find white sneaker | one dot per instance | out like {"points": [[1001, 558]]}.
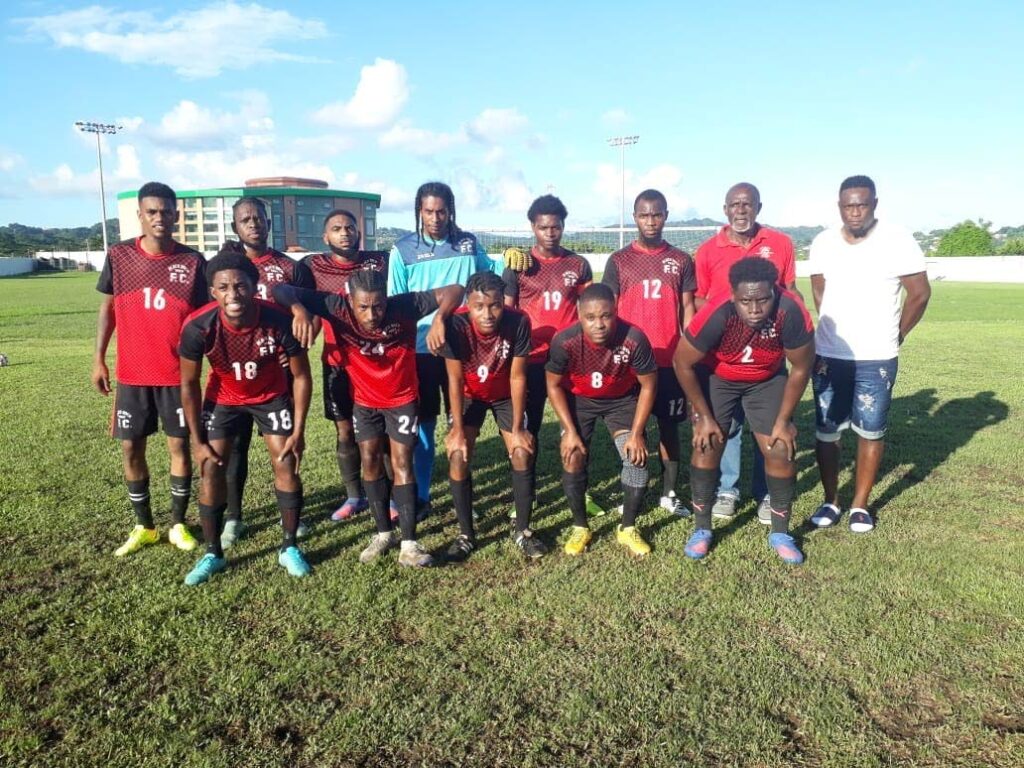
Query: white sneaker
{"points": [[725, 507], [233, 531], [764, 511], [414, 556], [674, 504], [379, 544]]}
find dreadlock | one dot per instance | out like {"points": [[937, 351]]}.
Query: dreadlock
{"points": [[443, 191]]}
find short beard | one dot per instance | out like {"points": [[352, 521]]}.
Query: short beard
{"points": [[344, 252]]}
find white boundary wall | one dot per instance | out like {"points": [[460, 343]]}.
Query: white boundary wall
{"points": [[16, 265], [968, 269]]}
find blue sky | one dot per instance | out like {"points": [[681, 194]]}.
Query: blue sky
{"points": [[507, 102]]}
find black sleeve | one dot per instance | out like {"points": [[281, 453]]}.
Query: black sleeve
{"points": [[611, 275], [105, 283], [318, 302], [452, 348], [192, 344], [302, 276], [522, 345], [558, 358], [689, 276], [797, 328], [422, 302], [200, 289], [642, 360], [586, 273], [511, 280], [709, 328]]}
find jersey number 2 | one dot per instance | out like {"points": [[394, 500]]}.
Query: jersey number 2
{"points": [[748, 354]]}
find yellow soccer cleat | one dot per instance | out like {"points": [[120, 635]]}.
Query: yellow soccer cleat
{"points": [[137, 539], [182, 538], [578, 541], [631, 539]]}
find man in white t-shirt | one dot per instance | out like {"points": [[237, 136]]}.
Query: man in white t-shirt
{"points": [[858, 275]]}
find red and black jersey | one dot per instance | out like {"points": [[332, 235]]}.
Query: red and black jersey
{"points": [[650, 285], [487, 360], [278, 269], [244, 364], [737, 352], [331, 275], [605, 371], [381, 364], [548, 293], [153, 294]]}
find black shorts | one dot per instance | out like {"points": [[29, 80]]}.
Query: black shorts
{"points": [[137, 408], [399, 423], [274, 417], [616, 412], [536, 396], [475, 413], [760, 400], [337, 394], [433, 380], [670, 402]]}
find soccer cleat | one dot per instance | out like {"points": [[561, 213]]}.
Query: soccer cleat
{"points": [[303, 530], [630, 538], [233, 531], [181, 537], [764, 511], [531, 546], [349, 509], [826, 515], [291, 560], [414, 556], [208, 565], [460, 549], [724, 507], [593, 508], [578, 541], [674, 504], [423, 510], [861, 520], [698, 545], [785, 547], [379, 544], [137, 539]]}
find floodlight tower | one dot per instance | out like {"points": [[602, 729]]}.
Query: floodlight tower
{"points": [[98, 128], [622, 142]]}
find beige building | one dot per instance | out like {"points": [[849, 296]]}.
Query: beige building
{"points": [[297, 208]]}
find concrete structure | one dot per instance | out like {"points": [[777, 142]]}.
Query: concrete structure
{"points": [[296, 206], [16, 265]]}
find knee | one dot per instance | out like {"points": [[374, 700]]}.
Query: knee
{"points": [[458, 467], [346, 437], [520, 460], [134, 451], [577, 462]]}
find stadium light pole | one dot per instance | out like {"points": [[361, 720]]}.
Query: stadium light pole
{"points": [[622, 142], [98, 128]]}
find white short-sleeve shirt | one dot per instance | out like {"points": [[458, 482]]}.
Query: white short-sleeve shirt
{"points": [[862, 302]]}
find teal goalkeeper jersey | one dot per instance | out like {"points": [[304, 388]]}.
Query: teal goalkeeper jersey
{"points": [[422, 264]]}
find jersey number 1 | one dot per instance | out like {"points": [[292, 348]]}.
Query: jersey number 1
{"points": [[151, 300]]}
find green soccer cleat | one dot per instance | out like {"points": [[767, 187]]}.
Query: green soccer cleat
{"points": [[139, 537], [593, 508], [181, 537]]}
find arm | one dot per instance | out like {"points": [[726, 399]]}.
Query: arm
{"points": [[455, 440], [817, 291], [556, 397], [448, 298], [919, 291], [791, 286], [636, 447], [302, 390], [105, 323], [687, 308], [191, 400], [303, 304], [800, 361], [521, 438], [705, 428]]}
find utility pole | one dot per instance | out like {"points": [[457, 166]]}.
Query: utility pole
{"points": [[98, 128], [622, 142]]}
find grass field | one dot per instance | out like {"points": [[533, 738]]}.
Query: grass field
{"points": [[902, 647]]}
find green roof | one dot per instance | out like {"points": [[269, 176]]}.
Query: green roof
{"points": [[263, 192]]}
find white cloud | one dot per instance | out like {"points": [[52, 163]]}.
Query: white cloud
{"points": [[229, 168], [666, 178], [493, 126], [418, 141], [379, 97], [616, 117], [64, 182], [9, 160], [196, 43]]}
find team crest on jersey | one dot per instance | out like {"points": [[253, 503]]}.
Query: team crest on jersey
{"points": [[570, 278], [622, 354], [266, 345], [768, 332], [504, 349], [179, 273], [670, 266], [765, 252], [391, 329], [273, 274], [466, 245]]}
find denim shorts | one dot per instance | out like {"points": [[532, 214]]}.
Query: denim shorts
{"points": [[852, 393]]}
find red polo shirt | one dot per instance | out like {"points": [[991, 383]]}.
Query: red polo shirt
{"points": [[717, 254]]}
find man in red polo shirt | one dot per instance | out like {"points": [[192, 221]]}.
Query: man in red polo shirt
{"points": [[742, 236]]}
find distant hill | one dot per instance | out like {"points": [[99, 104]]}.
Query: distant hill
{"points": [[22, 240]]}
